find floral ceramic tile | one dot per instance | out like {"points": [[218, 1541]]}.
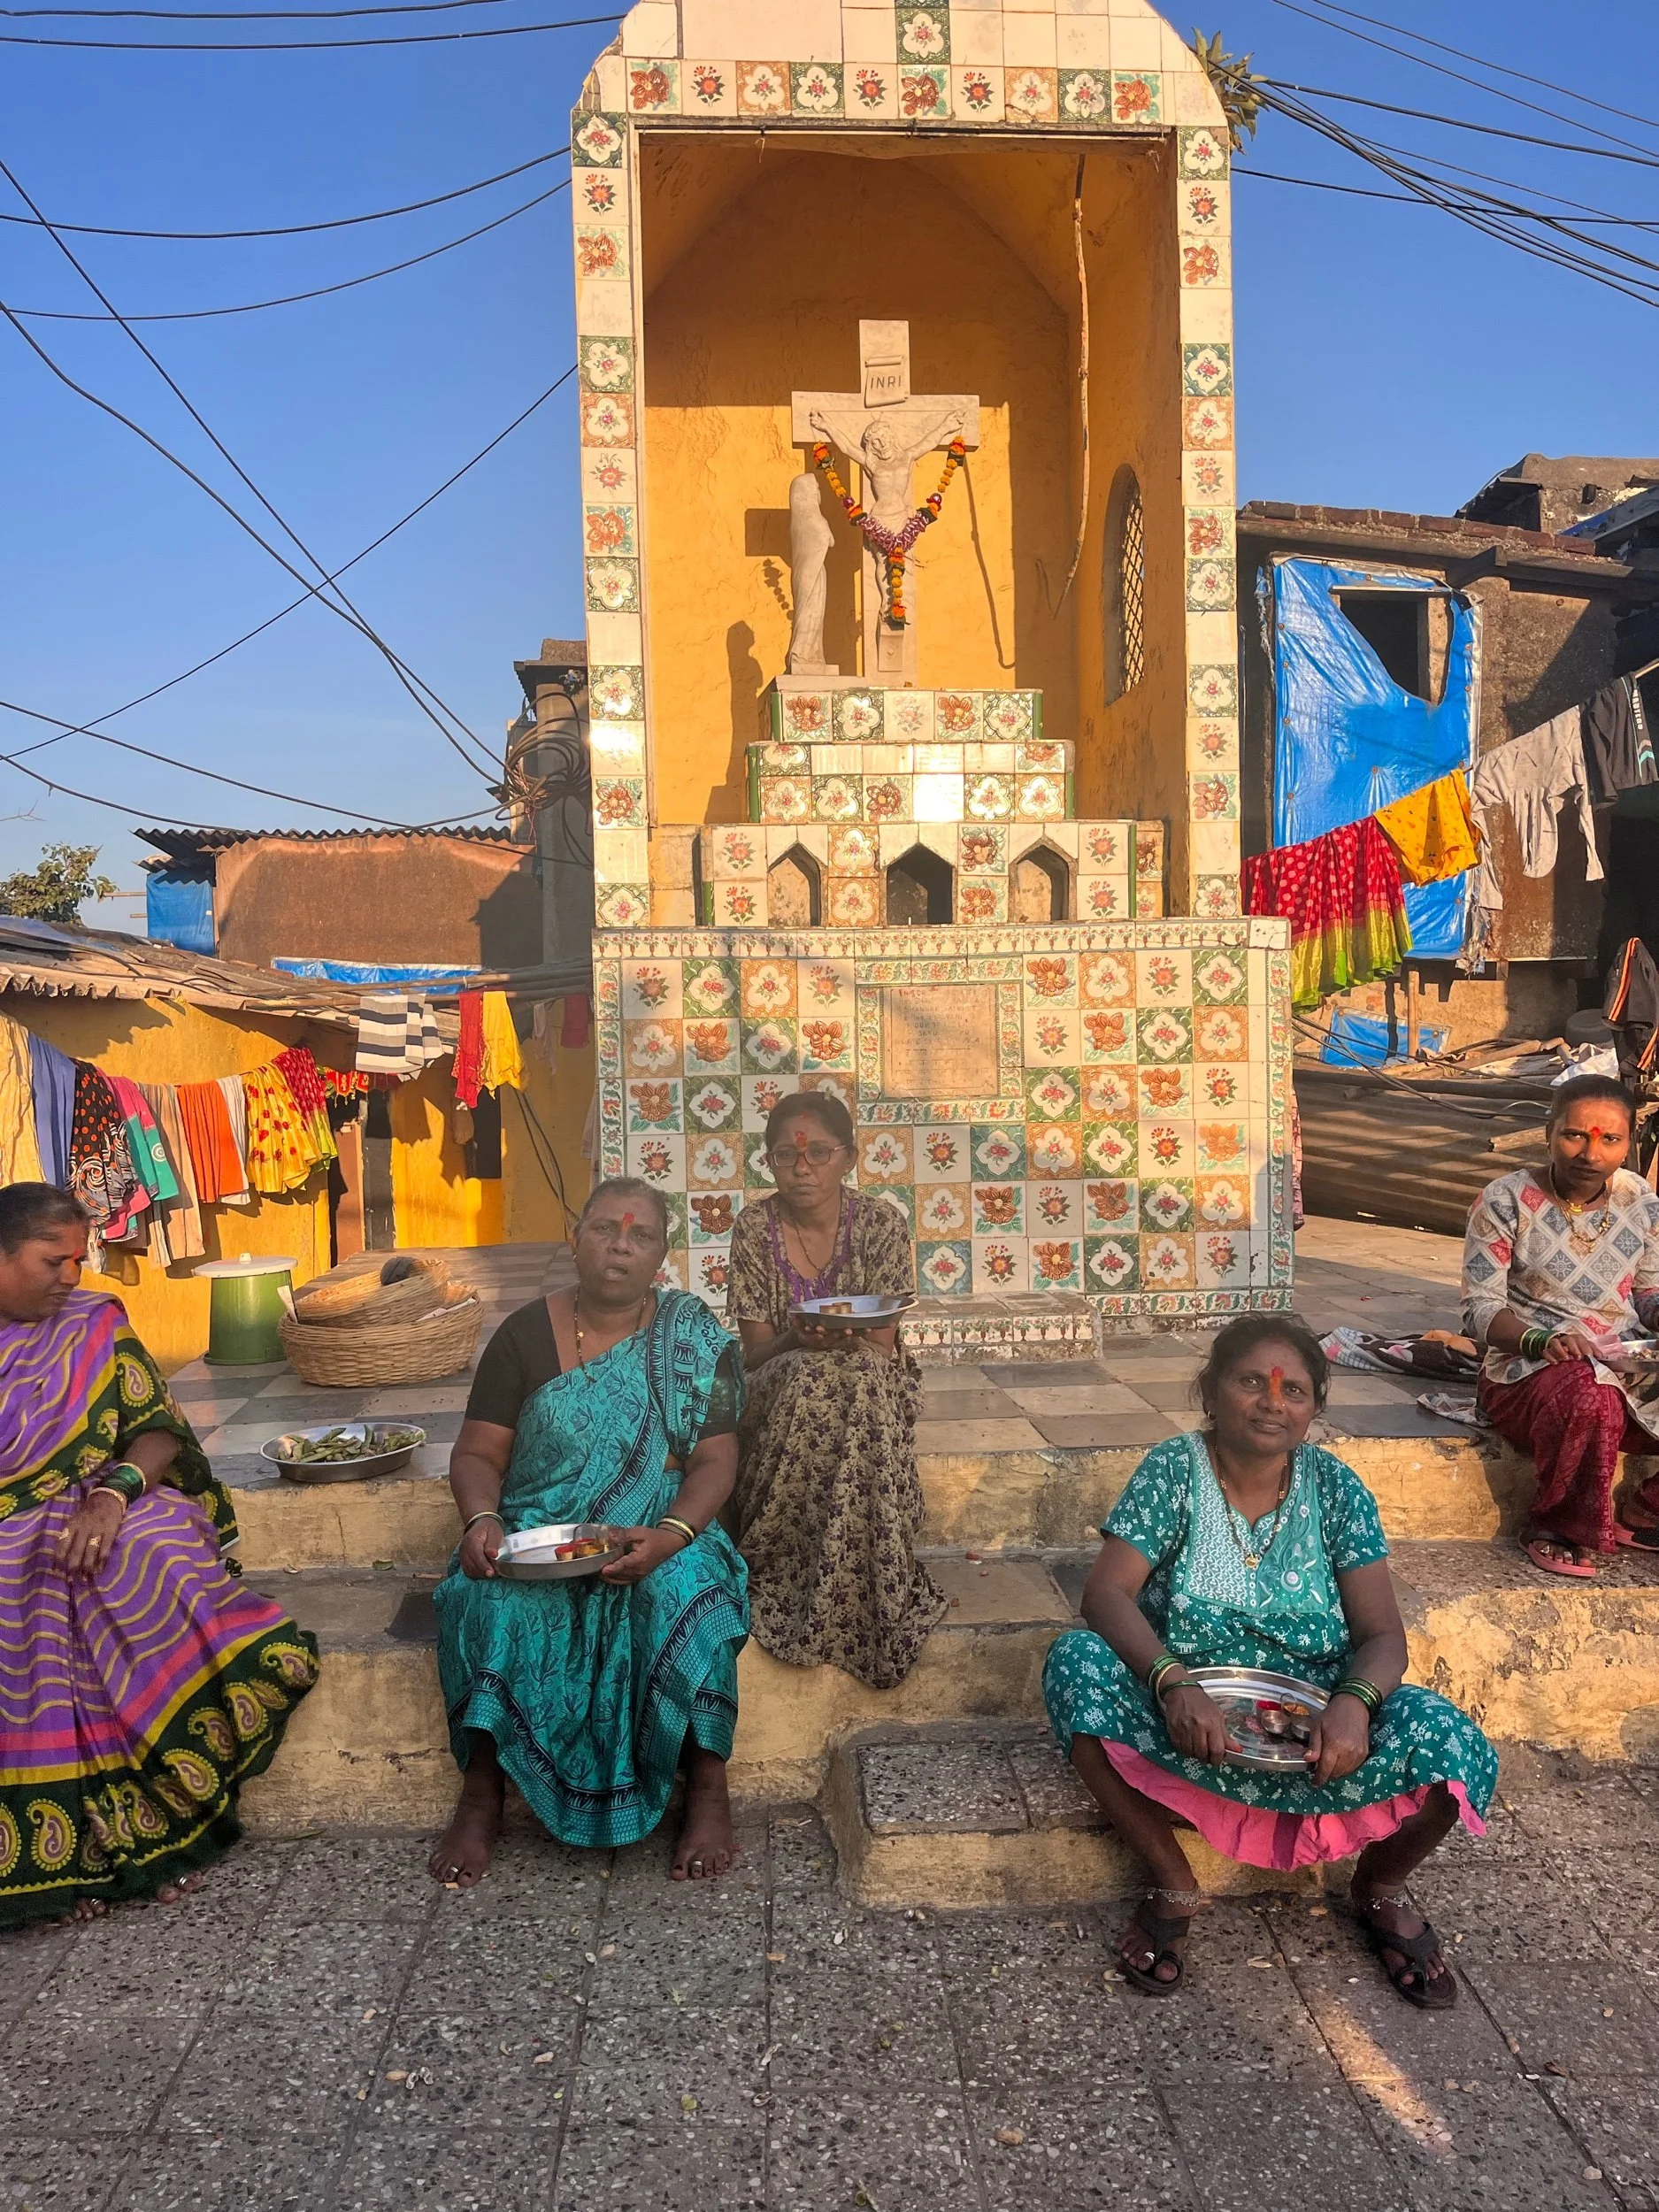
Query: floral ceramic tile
{"points": [[1052, 1094], [1223, 1260], [1167, 1263], [944, 1270], [998, 1154], [738, 905], [1086, 95], [1111, 1148], [1108, 1033], [859, 716], [623, 906], [1215, 897], [1210, 587], [613, 587], [1055, 1208], [655, 1108], [763, 87], [1207, 422], [1213, 798], [998, 1209], [760, 1094], [1111, 1263], [1102, 898], [942, 1210], [1106, 979], [1220, 1088], [1000, 1263], [606, 364], [1207, 370], [1110, 1204], [1056, 1263], [1055, 1149], [872, 90], [1110, 1092], [925, 94], [1041, 798], [1204, 264], [1202, 152], [738, 853], [853, 849], [989, 798], [824, 984], [1165, 1093], [1051, 1040], [941, 1154], [769, 1046], [709, 88], [1224, 1147], [816, 87], [853, 902], [1137, 96], [607, 419], [766, 986], [599, 141], [978, 92], [885, 1156], [955, 717], [981, 850], [825, 1042], [785, 798], [1223, 1202], [675, 1271], [714, 1163], [710, 1047], [1166, 1204], [924, 34], [1164, 1035], [711, 1215], [710, 1275], [601, 252], [887, 798], [653, 88], [1213, 689], [1164, 977], [609, 530], [1031, 96], [982, 901], [1050, 979], [712, 1105], [620, 803]]}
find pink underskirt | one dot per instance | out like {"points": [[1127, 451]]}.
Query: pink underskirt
{"points": [[1255, 1836]]}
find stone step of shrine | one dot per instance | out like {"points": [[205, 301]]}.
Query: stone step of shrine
{"points": [[1568, 1666]]}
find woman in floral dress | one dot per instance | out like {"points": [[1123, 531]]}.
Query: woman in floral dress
{"points": [[829, 1504], [1245, 1545], [1560, 1284]]}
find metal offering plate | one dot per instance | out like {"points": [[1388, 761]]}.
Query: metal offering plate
{"points": [[332, 1457], [1268, 1715], [865, 1309], [532, 1554]]}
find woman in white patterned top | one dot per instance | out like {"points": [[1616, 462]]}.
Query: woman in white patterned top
{"points": [[1560, 1284]]}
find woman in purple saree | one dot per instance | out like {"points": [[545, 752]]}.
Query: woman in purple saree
{"points": [[140, 1686]]}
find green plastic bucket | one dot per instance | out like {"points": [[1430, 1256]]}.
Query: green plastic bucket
{"points": [[245, 1310]]}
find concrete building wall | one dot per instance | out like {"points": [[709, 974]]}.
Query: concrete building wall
{"points": [[382, 898]]}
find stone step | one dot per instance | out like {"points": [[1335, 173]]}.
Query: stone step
{"points": [[369, 1745], [984, 1495], [1567, 1665], [952, 1814]]}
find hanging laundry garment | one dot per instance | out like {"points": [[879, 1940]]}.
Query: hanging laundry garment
{"points": [[1533, 776], [1433, 830], [298, 1068], [236, 1107], [1618, 749], [469, 1053], [101, 1171], [20, 1151], [502, 1066], [1632, 1005], [183, 1216], [52, 1078], [216, 1159], [575, 1024], [279, 1159], [1344, 900], [423, 1045], [143, 1139], [383, 1034]]}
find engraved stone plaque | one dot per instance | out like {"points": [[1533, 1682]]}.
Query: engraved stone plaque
{"points": [[939, 1042]]}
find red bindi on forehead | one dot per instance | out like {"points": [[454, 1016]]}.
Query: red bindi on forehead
{"points": [[628, 1223], [800, 1136]]}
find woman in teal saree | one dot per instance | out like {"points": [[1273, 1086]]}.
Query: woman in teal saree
{"points": [[618, 1403]]}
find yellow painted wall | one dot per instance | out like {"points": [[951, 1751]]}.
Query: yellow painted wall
{"points": [[161, 1040], [1132, 753], [434, 1200], [972, 243], [559, 1093]]}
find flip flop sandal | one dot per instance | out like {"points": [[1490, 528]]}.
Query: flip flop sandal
{"points": [[1161, 1934], [1574, 1568], [1638, 1538], [1412, 1981]]}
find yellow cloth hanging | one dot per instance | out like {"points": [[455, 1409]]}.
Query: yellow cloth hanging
{"points": [[20, 1151], [280, 1155], [501, 1063], [1433, 830]]}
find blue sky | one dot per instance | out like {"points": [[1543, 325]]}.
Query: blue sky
{"points": [[1387, 356]]}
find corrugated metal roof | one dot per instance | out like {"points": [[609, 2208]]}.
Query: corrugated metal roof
{"points": [[192, 844]]}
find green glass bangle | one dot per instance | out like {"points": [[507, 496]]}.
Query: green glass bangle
{"points": [[1356, 1687], [1534, 1343], [125, 1479], [1159, 1668]]}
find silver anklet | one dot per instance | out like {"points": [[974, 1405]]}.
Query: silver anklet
{"points": [[1400, 1900], [1190, 1898]]}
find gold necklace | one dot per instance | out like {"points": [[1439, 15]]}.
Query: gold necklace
{"points": [[1582, 1240], [1253, 1559], [576, 1324]]}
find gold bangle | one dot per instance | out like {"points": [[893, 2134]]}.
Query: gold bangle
{"points": [[673, 1520]]}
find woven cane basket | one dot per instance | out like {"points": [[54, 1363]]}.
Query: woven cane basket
{"points": [[355, 1299], [407, 1350]]}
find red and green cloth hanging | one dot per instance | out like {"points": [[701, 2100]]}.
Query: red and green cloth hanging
{"points": [[1345, 901]]}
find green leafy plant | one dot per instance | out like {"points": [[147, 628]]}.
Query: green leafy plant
{"points": [[54, 889], [1232, 81]]}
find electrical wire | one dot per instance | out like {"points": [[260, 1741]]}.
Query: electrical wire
{"points": [[1459, 123], [414, 684], [293, 299], [1494, 92], [248, 15], [1411, 199], [298, 45], [296, 230], [90, 729], [1481, 61]]}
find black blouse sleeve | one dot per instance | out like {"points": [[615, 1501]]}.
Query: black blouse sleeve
{"points": [[518, 1360], [722, 1417]]}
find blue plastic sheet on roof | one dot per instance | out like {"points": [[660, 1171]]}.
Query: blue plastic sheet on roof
{"points": [[371, 972], [178, 908], [1349, 739]]}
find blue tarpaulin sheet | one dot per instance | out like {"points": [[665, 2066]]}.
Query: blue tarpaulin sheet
{"points": [[1361, 1040], [178, 908], [368, 971], [1348, 739]]}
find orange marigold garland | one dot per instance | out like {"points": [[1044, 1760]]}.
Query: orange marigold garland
{"points": [[892, 545]]}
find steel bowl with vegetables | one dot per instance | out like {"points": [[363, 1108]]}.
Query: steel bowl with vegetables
{"points": [[343, 1451]]}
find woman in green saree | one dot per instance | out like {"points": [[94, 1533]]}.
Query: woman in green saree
{"points": [[614, 1403]]}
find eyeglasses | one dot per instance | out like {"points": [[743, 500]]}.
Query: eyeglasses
{"points": [[814, 1155]]}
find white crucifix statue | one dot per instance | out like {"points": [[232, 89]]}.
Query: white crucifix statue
{"points": [[885, 428]]}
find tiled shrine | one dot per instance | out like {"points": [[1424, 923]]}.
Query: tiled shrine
{"points": [[965, 841]]}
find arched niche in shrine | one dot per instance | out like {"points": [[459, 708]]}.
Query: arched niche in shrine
{"points": [[794, 891], [1039, 887], [921, 889]]}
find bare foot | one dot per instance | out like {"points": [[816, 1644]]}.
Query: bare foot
{"points": [[462, 1853], [706, 1845], [187, 1885], [83, 1908]]}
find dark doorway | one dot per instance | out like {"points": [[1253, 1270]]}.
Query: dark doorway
{"points": [[1396, 626], [379, 1218], [1040, 888], [921, 888]]}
